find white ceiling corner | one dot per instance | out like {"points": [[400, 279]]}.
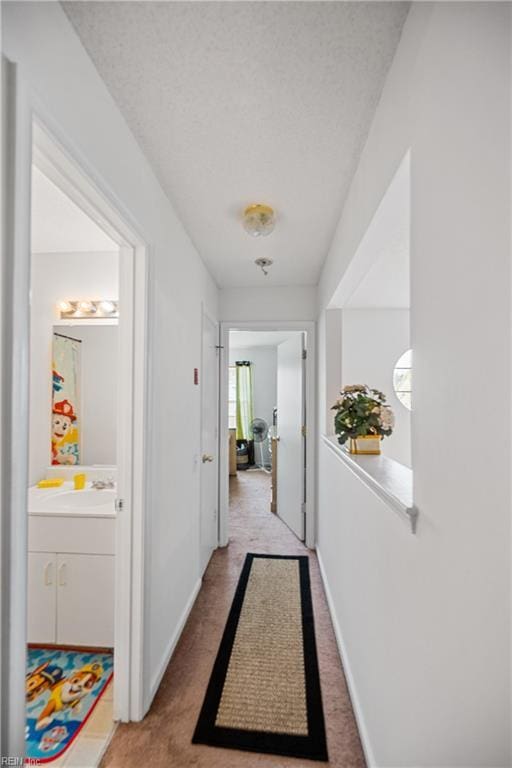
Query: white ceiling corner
{"points": [[378, 276], [58, 225], [240, 102], [251, 339]]}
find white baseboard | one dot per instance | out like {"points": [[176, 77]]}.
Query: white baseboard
{"points": [[157, 678], [356, 705]]}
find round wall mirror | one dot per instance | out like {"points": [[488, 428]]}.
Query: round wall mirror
{"points": [[402, 379]]}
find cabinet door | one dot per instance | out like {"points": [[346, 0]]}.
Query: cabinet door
{"points": [[42, 597], [85, 600]]}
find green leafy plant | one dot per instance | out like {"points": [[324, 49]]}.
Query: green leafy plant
{"points": [[362, 411]]}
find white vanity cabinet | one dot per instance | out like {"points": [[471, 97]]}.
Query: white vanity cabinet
{"points": [[71, 580], [42, 597]]}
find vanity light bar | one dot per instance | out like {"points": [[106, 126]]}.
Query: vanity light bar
{"points": [[88, 309]]}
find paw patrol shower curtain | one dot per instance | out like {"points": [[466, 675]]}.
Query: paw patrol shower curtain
{"points": [[65, 442]]}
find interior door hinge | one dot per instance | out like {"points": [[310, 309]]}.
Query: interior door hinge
{"points": [[304, 430], [303, 507], [304, 354], [119, 505]]}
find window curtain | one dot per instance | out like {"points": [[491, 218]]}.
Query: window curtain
{"points": [[244, 400]]}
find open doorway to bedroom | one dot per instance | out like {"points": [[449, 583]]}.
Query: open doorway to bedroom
{"points": [[267, 428]]}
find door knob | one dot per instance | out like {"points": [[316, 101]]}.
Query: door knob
{"points": [[207, 457]]}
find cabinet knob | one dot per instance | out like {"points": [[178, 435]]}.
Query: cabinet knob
{"points": [[62, 575], [48, 574]]}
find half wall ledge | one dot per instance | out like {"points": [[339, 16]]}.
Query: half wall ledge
{"points": [[387, 478]]}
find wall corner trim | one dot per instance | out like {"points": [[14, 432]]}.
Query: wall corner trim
{"points": [[347, 671], [157, 677]]}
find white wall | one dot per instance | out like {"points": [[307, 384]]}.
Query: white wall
{"points": [[425, 618], [80, 110], [99, 387], [57, 276], [290, 303], [264, 360], [372, 342]]}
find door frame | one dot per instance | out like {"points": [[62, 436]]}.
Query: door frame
{"points": [[65, 171], [32, 134], [210, 317], [309, 328]]}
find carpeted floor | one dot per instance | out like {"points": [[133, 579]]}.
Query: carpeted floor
{"points": [[163, 738]]}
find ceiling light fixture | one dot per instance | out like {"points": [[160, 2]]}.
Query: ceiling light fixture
{"points": [[263, 263], [259, 220]]}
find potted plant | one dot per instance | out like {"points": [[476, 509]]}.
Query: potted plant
{"points": [[362, 418]]}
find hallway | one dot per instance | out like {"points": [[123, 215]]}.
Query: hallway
{"points": [[163, 738]]}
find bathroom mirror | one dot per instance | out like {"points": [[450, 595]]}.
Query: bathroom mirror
{"points": [[84, 395]]}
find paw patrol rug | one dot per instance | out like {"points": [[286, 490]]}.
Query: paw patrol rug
{"points": [[62, 689]]}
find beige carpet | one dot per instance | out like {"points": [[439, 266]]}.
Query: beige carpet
{"points": [[163, 738]]}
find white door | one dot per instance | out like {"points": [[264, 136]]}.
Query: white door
{"points": [[208, 379], [85, 600], [290, 421], [42, 597]]}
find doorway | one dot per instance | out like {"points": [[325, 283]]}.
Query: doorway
{"points": [[129, 404], [72, 480], [267, 384], [117, 623]]}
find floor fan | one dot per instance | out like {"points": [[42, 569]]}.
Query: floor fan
{"points": [[259, 430]]}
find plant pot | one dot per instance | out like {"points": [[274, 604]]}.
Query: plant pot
{"points": [[369, 444]]}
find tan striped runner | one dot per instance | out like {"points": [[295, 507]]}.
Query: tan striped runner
{"points": [[265, 686]]}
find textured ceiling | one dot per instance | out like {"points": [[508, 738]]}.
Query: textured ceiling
{"points": [[240, 102]]}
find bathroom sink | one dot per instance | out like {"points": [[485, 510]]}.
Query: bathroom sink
{"points": [[81, 499], [88, 501]]}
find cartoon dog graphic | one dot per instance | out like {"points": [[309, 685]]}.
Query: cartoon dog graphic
{"points": [[64, 434], [42, 678], [68, 693]]}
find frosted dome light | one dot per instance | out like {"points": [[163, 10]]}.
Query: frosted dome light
{"points": [[259, 220]]}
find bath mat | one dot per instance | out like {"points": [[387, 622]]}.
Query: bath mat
{"points": [[62, 689], [264, 692]]}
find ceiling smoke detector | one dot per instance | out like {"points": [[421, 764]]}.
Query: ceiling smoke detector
{"points": [[263, 263], [259, 220]]}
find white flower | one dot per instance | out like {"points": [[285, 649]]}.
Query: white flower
{"points": [[387, 418]]}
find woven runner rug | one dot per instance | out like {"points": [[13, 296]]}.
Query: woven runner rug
{"points": [[264, 692]]}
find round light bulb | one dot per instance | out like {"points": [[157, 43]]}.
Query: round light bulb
{"points": [[65, 306], [107, 307], [85, 306]]}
